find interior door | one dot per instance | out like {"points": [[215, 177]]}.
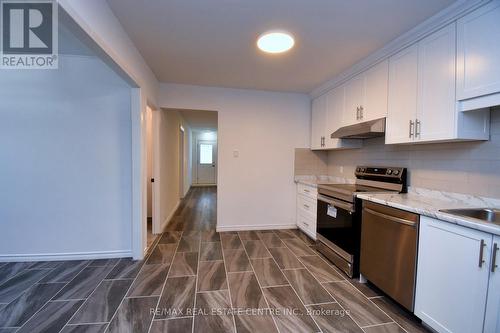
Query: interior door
{"points": [[206, 164]]}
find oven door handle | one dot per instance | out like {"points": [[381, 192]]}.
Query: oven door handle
{"points": [[337, 203]]}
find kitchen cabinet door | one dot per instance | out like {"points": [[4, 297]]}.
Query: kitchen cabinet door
{"points": [[402, 102], [451, 286], [436, 112], [335, 109], [492, 319], [478, 51], [376, 85], [354, 97], [318, 120]]}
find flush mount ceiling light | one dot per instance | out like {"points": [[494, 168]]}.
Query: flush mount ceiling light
{"points": [[275, 42]]}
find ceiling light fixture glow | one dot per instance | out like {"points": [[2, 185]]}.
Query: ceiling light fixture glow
{"points": [[275, 42]]}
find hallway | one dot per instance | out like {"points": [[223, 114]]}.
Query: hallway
{"points": [[198, 280]]}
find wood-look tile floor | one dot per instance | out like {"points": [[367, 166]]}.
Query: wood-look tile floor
{"points": [[198, 280]]}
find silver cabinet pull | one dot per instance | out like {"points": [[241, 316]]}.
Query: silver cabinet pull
{"points": [[494, 258], [307, 224], [481, 250], [417, 127], [361, 109], [306, 206], [306, 190], [357, 113], [410, 135]]}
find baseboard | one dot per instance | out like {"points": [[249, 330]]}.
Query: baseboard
{"points": [[203, 185], [66, 256], [255, 227], [169, 217]]}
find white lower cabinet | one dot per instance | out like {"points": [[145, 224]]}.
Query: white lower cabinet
{"points": [[453, 278], [306, 209], [492, 318]]}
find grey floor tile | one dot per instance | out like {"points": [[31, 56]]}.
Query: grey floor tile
{"points": [[361, 309], [213, 322], [237, 261], [65, 272], [134, 315], [14, 287], [332, 318], [321, 269], [256, 249], [210, 236], [271, 240], [162, 254], [102, 303], [308, 240], [298, 247], [248, 235], [387, 328], [84, 283], [284, 234], [150, 281], [308, 289], [245, 291], [169, 237], [177, 299], [11, 269], [210, 251], [404, 318], [185, 263], [17, 312], [290, 315], [189, 244], [52, 317], [86, 328], [268, 273], [255, 323], [104, 262], [231, 241], [45, 264], [192, 233], [180, 325], [125, 269], [285, 258], [211, 276], [8, 330], [367, 289]]}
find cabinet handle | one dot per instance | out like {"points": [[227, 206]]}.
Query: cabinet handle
{"points": [[361, 112], [494, 258], [417, 128], [481, 250], [305, 223], [410, 135], [306, 206], [305, 190], [357, 113]]}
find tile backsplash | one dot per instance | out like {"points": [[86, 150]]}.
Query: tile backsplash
{"points": [[463, 167]]}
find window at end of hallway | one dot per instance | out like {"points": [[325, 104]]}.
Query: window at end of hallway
{"points": [[206, 153]]}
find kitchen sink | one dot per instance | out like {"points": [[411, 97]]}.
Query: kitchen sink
{"points": [[484, 214]]}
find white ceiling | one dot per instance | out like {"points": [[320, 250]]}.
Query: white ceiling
{"points": [[200, 120], [212, 42]]}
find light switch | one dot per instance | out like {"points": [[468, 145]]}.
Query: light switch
{"points": [[236, 153]]}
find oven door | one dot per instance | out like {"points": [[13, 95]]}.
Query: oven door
{"points": [[336, 227]]}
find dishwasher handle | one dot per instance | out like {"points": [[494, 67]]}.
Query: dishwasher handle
{"points": [[391, 218]]}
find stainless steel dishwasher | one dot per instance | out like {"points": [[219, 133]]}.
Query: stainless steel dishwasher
{"points": [[389, 251]]}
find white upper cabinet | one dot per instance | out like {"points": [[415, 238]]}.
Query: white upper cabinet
{"points": [[366, 95], [478, 58], [318, 122], [436, 86], [327, 113], [402, 106], [422, 102]]}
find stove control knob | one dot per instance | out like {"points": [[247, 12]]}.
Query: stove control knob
{"points": [[362, 169], [396, 172], [358, 169], [389, 171]]}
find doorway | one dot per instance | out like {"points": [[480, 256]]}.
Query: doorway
{"points": [[149, 127], [181, 162]]}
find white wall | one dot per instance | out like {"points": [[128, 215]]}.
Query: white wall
{"points": [[255, 190], [65, 168], [169, 184]]}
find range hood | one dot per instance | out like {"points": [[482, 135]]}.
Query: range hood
{"points": [[365, 130]]}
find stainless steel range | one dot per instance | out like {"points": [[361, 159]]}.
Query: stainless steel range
{"points": [[339, 213]]}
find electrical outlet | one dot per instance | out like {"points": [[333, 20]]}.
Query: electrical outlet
{"points": [[341, 169], [236, 153]]}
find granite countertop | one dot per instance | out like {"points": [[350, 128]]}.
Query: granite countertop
{"points": [[428, 203], [315, 180]]}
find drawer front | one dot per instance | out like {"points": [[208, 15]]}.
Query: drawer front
{"points": [[307, 224], [306, 205], [308, 191]]}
